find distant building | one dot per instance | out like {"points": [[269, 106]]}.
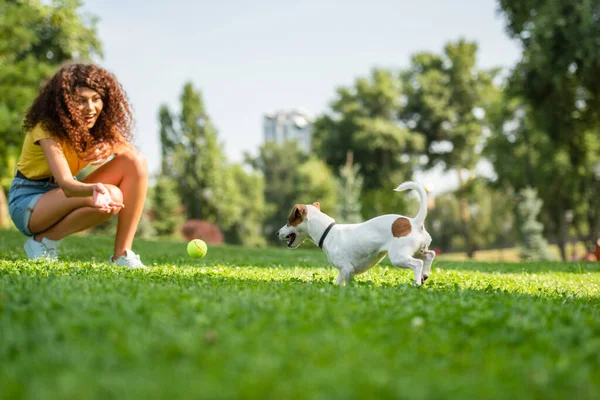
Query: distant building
{"points": [[281, 126]]}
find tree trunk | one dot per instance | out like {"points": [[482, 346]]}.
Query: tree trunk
{"points": [[4, 218], [595, 226], [463, 205], [596, 230], [563, 231]]}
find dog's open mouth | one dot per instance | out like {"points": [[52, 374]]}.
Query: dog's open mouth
{"points": [[290, 238]]}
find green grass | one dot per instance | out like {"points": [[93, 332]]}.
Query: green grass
{"points": [[270, 324]]}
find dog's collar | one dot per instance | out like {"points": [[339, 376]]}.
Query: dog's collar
{"points": [[325, 234]]}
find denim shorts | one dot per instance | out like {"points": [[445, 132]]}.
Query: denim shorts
{"points": [[23, 195]]}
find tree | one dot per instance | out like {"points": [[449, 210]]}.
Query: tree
{"points": [[491, 225], [364, 119], [557, 81], [210, 189], [36, 38], [446, 97], [204, 164], [317, 183], [248, 229], [534, 246], [279, 166], [192, 155], [166, 207], [349, 188], [171, 144]]}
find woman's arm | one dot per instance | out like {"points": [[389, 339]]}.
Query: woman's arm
{"points": [[61, 171], [71, 187]]}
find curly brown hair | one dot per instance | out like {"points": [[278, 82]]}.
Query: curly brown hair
{"points": [[56, 108]]}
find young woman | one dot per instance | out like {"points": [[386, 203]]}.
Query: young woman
{"points": [[81, 116]]}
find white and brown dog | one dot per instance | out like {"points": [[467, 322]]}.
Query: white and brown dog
{"points": [[354, 248]]}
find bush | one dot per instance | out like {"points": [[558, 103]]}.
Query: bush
{"points": [[198, 229]]}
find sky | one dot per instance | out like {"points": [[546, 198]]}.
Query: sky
{"points": [[252, 57]]}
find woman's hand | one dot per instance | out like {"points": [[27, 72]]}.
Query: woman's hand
{"points": [[103, 201], [97, 154]]}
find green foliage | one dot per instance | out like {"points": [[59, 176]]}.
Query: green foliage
{"points": [[204, 163], [247, 230], [349, 187], [364, 119], [279, 165], [446, 100], [145, 228], [210, 189], [560, 64], [171, 144], [557, 79], [443, 223], [317, 183], [534, 246], [36, 37], [443, 93], [522, 155], [491, 224], [167, 213], [193, 156], [291, 177], [384, 200], [492, 219], [272, 322]]}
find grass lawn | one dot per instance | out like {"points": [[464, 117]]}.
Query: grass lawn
{"points": [[270, 324]]}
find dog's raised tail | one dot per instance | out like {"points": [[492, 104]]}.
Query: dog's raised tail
{"points": [[420, 217]]}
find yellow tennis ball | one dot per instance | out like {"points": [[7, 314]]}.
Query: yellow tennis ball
{"points": [[197, 248]]}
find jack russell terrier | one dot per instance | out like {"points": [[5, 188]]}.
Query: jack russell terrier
{"points": [[354, 248]]}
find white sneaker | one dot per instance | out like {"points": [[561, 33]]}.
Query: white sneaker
{"points": [[130, 259], [47, 249]]}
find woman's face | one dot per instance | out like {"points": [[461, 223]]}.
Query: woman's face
{"points": [[89, 104]]}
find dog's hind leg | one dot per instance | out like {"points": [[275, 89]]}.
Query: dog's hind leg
{"points": [[429, 256], [405, 261]]}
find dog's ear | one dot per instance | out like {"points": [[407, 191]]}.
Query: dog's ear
{"points": [[318, 205], [300, 211], [297, 214], [292, 215]]}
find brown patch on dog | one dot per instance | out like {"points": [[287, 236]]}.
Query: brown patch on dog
{"points": [[318, 205], [297, 215], [401, 227]]}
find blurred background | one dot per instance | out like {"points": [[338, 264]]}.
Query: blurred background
{"points": [[245, 108]]}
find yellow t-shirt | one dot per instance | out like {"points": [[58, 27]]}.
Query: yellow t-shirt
{"points": [[32, 162]]}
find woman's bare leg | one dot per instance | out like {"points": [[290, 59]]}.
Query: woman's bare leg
{"points": [[56, 216], [129, 172]]}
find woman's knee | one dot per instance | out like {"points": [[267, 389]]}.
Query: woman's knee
{"points": [[115, 193], [137, 161]]}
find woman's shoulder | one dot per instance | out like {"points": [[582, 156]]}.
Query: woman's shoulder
{"points": [[39, 132]]}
